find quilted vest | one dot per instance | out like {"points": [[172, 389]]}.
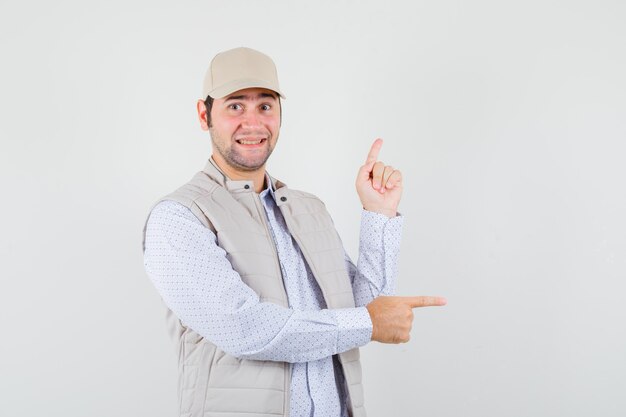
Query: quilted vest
{"points": [[213, 383]]}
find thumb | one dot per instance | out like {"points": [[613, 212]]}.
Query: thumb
{"points": [[365, 171]]}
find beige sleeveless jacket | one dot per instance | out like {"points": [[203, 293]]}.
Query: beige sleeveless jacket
{"points": [[213, 383]]}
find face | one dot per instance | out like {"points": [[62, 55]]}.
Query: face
{"points": [[245, 127]]}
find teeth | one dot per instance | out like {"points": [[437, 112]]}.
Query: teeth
{"points": [[250, 142]]}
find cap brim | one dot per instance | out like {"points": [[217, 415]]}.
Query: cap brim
{"points": [[231, 87]]}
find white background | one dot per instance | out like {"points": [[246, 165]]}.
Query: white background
{"points": [[508, 120]]}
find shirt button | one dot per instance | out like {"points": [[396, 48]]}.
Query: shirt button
{"points": [[283, 199], [247, 186]]}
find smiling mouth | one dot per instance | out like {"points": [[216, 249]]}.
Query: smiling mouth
{"points": [[250, 142]]}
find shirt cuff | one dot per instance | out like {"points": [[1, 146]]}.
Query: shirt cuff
{"points": [[377, 228], [354, 328]]}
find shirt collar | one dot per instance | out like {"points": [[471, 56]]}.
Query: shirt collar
{"points": [[268, 189]]}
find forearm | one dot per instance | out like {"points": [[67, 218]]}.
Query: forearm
{"points": [[379, 247], [312, 335]]}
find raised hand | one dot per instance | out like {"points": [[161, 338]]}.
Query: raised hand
{"points": [[392, 317], [379, 186]]}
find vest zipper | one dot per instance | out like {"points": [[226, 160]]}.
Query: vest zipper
{"points": [[263, 216]]}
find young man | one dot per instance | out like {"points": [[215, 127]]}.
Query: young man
{"points": [[266, 309]]}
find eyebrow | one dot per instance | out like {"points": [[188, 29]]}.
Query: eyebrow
{"points": [[248, 97]]}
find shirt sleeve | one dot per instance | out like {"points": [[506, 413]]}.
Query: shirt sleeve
{"points": [[197, 282], [377, 266]]}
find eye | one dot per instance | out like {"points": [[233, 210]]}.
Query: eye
{"points": [[266, 107], [235, 106]]}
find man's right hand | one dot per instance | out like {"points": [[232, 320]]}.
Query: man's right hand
{"points": [[392, 317]]}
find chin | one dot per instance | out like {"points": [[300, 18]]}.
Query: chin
{"points": [[248, 165]]}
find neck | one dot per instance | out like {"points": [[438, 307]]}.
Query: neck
{"points": [[257, 176]]}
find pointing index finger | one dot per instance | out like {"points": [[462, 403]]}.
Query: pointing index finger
{"points": [[425, 301], [372, 156]]}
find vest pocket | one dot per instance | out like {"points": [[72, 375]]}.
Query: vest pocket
{"points": [[251, 401], [245, 386]]}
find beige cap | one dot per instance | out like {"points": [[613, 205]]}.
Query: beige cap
{"points": [[237, 69]]}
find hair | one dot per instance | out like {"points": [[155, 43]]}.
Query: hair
{"points": [[208, 103]]}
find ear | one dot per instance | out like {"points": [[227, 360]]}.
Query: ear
{"points": [[202, 116]]}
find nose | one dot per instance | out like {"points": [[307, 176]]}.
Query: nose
{"points": [[251, 119]]}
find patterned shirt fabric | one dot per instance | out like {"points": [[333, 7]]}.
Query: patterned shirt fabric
{"points": [[198, 283]]}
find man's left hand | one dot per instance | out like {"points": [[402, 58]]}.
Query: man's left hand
{"points": [[379, 186]]}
